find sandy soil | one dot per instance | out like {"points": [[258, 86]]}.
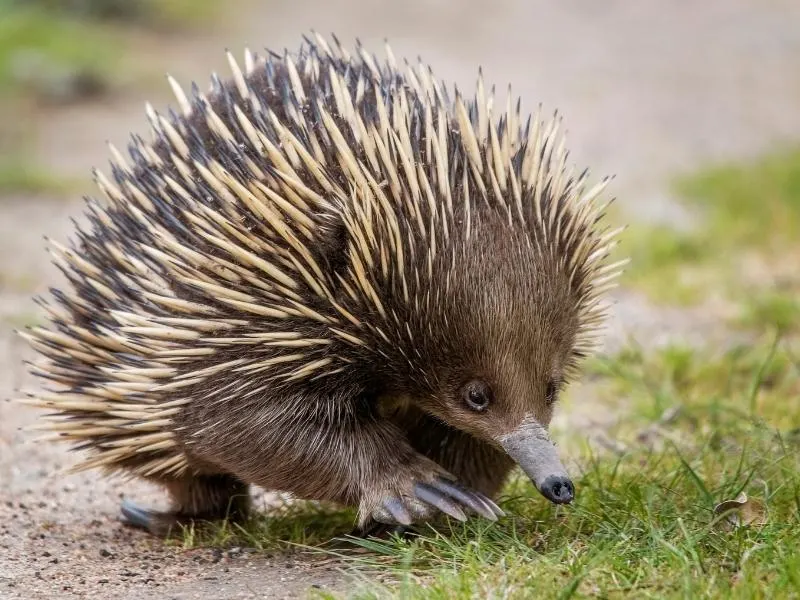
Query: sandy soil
{"points": [[647, 89]]}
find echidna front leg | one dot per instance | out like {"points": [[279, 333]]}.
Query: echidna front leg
{"points": [[475, 463], [406, 487], [194, 498]]}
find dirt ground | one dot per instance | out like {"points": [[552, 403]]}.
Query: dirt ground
{"points": [[647, 89]]}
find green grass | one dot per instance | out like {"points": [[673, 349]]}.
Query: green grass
{"points": [[643, 524], [54, 39], [755, 205], [150, 13], [288, 527], [22, 319], [670, 266], [21, 174], [37, 48], [772, 309], [41, 39], [45, 44], [742, 210]]}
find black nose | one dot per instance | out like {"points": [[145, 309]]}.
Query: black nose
{"points": [[559, 490]]}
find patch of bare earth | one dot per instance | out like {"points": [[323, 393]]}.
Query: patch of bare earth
{"points": [[646, 88]]}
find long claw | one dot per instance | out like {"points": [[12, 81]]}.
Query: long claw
{"points": [[155, 522], [497, 510], [137, 516], [468, 498], [434, 497], [397, 509]]}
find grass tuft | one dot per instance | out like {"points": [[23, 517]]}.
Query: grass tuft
{"points": [[287, 527], [772, 310], [750, 231], [756, 205], [20, 174], [148, 13], [35, 39], [58, 52]]}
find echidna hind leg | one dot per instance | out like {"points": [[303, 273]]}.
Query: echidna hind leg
{"points": [[195, 499]]}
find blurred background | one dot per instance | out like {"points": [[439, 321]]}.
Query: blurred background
{"points": [[694, 106]]}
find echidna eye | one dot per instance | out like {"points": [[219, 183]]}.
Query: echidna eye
{"points": [[477, 395], [552, 392]]}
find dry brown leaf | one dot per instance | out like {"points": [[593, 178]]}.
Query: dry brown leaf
{"points": [[741, 512]]}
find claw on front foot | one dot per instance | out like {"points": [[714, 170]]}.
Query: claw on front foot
{"points": [[440, 494], [474, 500]]}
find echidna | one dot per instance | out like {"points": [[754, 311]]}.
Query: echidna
{"points": [[327, 278]]}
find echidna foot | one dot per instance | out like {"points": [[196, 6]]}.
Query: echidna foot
{"points": [[447, 496], [196, 499], [162, 524], [157, 523]]}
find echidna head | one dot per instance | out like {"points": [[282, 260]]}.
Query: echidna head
{"points": [[497, 347]]}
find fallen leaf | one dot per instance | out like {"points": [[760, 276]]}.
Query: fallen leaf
{"points": [[741, 512]]}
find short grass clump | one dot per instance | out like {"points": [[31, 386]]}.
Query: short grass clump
{"points": [[670, 266], [21, 174], [49, 39], [79, 37], [643, 524], [147, 13], [288, 527], [772, 308], [43, 55], [748, 232], [56, 52], [756, 205]]}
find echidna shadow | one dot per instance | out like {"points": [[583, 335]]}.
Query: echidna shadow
{"points": [[326, 277]]}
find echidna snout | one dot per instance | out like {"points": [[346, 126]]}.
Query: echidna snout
{"points": [[531, 449]]}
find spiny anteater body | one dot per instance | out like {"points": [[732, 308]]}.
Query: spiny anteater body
{"points": [[327, 278]]}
